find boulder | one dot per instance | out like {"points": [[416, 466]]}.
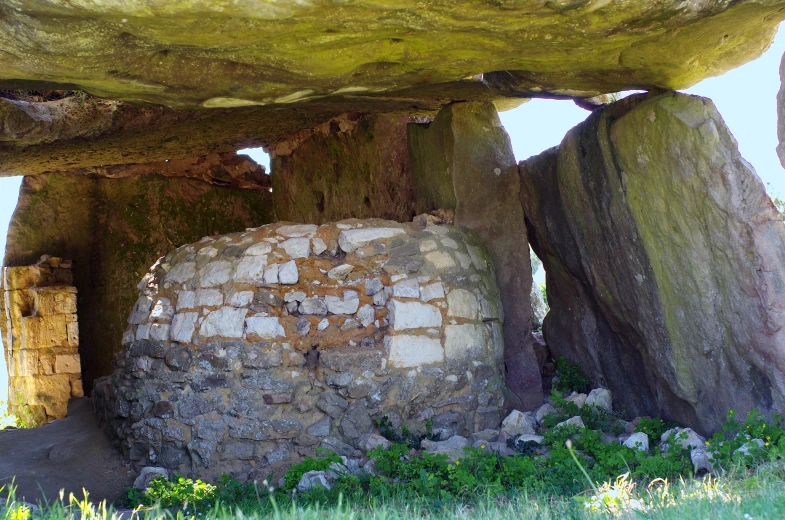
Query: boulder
{"points": [[517, 423], [217, 54], [312, 479], [600, 398], [573, 421], [463, 160], [452, 447], [664, 274], [639, 441], [544, 411], [147, 475]]}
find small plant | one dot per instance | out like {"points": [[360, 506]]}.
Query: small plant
{"points": [[570, 377], [323, 460]]}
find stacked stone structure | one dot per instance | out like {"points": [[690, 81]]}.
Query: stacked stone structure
{"points": [[41, 333], [247, 351]]}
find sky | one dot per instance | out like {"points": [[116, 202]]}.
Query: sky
{"points": [[746, 98]]}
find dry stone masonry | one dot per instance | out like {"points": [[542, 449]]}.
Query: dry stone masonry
{"points": [[41, 334], [251, 350]]}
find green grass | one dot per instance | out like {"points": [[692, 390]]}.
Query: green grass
{"points": [[758, 494]]}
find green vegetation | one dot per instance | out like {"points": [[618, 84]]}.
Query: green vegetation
{"points": [[574, 473], [6, 420], [570, 377]]}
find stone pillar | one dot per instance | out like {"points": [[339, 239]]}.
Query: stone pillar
{"points": [[353, 166], [41, 337], [665, 261], [464, 161]]}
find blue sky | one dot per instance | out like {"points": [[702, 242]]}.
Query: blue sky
{"points": [[746, 98]]}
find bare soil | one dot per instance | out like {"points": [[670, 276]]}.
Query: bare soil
{"points": [[71, 454]]}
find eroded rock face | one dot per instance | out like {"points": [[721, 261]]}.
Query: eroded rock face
{"points": [[217, 53], [664, 260], [114, 229], [355, 166], [248, 351]]}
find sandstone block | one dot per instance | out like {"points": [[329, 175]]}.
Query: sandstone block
{"points": [[406, 289], [471, 339], [181, 273], [297, 230], [518, 423], [68, 364], [44, 332], [226, 321], [209, 298], [288, 273], [434, 291], [186, 300], [346, 305]]}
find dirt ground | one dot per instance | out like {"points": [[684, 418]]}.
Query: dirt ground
{"points": [[70, 454]]}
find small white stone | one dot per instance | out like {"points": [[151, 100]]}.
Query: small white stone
{"points": [[162, 310], [340, 272], [141, 310], [313, 306], [449, 242], [226, 321], [366, 315], [297, 230], [159, 331], [183, 326], [434, 291], [288, 273], [600, 398], [128, 337], [639, 441], [241, 299], [209, 298], [297, 247], [413, 315], [573, 421], [271, 275], [318, 246], [215, 273], [412, 351], [186, 300], [578, 399], [181, 272], [209, 252], [544, 411], [323, 324], [427, 246], [346, 305], [440, 260], [462, 304], [462, 340], [294, 296], [407, 289], [351, 239], [262, 248], [143, 331], [251, 269], [264, 327], [518, 423], [463, 259]]}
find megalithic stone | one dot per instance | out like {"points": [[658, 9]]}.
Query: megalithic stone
{"points": [[464, 160]]}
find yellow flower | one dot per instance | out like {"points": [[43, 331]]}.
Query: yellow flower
{"points": [[482, 446], [457, 462], [707, 443], [767, 444]]}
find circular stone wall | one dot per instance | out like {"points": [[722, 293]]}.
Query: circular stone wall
{"points": [[250, 350]]}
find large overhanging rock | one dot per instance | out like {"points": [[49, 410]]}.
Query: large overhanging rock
{"points": [[247, 351], [664, 259], [220, 53]]}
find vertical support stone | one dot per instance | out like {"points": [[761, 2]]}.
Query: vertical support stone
{"points": [[464, 161], [41, 340], [353, 166]]}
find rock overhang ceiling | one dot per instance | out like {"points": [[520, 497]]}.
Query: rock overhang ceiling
{"points": [[210, 76]]}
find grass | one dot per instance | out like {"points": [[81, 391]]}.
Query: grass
{"points": [[757, 494]]}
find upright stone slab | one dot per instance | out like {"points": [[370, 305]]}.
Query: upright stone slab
{"points": [[114, 229], [463, 160], [665, 261], [41, 339], [352, 166]]}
